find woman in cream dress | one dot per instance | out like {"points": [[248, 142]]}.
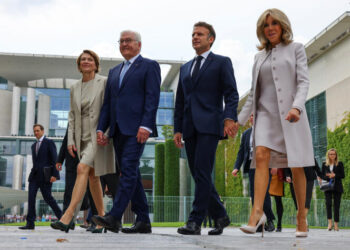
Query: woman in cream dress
{"points": [[86, 98], [281, 133]]}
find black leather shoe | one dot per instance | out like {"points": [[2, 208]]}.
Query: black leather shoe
{"points": [[138, 227], [220, 224], [279, 229], [191, 228], [107, 221], [27, 227], [269, 226]]}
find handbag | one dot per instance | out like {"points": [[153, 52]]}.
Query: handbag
{"points": [[327, 185]]}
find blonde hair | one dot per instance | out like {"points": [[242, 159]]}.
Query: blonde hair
{"points": [[336, 157], [282, 19], [93, 55]]}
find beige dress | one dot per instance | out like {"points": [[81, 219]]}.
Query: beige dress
{"points": [[87, 153], [268, 127]]}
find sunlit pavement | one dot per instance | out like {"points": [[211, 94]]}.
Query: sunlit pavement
{"points": [[167, 238]]}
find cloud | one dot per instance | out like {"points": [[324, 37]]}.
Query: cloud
{"points": [[242, 60]]}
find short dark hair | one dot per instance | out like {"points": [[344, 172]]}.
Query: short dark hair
{"points": [[208, 27], [93, 55], [38, 125]]}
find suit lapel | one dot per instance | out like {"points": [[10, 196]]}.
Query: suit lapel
{"points": [[130, 71], [207, 62]]}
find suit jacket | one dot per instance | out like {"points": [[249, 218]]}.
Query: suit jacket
{"points": [[200, 101], [46, 157], [135, 103], [339, 174], [104, 162], [244, 151], [289, 71], [63, 155]]}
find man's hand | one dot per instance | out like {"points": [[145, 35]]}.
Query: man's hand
{"points": [[142, 135], [177, 140], [234, 172], [230, 128], [59, 166], [101, 139], [71, 150], [293, 115], [52, 179]]}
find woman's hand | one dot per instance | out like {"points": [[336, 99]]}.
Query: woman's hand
{"points": [[293, 115], [71, 150]]}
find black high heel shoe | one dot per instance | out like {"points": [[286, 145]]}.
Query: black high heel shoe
{"points": [[99, 230], [63, 227]]}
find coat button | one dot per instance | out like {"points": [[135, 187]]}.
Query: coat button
{"points": [[279, 89], [274, 58], [281, 101], [282, 113], [273, 67], [276, 78]]}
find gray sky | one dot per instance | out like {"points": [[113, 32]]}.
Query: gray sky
{"points": [[66, 27]]}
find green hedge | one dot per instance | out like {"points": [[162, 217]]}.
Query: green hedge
{"points": [[220, 168], [171, 177], [159, 181]]}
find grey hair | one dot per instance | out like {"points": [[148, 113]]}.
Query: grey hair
{"points": [[136, 34]]}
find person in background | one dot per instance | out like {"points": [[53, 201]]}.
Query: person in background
{"points": [[333, 169], [42, 175]]}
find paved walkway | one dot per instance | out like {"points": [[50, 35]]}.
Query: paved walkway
{"points": [[167, 238]]}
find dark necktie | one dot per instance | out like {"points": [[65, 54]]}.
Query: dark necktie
{"points": [[196, 67]]}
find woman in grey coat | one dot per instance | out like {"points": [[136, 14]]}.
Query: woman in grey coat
{"points": [[281, 133]]}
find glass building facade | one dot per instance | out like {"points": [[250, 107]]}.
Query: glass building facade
{"points": [[317, 114], [59, 109]]}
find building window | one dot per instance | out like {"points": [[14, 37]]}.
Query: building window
{"points": [[316, 112], [7, 147]]}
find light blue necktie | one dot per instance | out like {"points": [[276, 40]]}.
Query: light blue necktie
{"points": [[124, 70]]}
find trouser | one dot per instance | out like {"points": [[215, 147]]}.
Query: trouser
{"points": [[279, 209], [201, 149], [128, 152], [337, 198], [45, 189]]}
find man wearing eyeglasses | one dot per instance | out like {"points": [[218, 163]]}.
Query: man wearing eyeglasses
{"points": [[129, 111]]}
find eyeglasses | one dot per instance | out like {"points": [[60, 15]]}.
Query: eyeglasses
{"points": [[126, 41]]}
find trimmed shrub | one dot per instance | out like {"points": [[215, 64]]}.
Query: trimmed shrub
{"points": [[158, 182]]}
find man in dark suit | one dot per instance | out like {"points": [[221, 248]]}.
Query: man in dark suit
{"points": [[42, 175], [205, 83], [244, 157], [129, 110]]}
